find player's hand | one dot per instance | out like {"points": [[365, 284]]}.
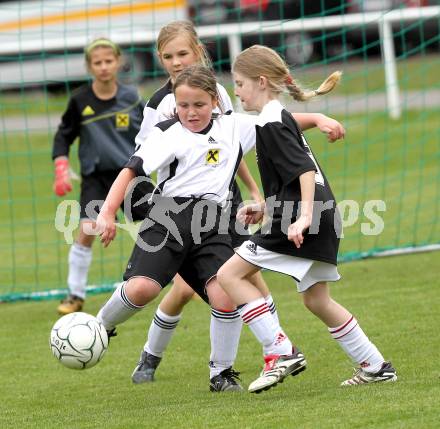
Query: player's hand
{"points": [[106, 227], [332, 128], [295, 232], [62, 184], [251, 214]]}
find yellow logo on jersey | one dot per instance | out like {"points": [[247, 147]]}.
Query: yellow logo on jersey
{"points": [[122, 120], [212, 156], [88, 111]]}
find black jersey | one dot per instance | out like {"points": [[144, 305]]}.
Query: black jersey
{"points": [[282, 156], [106, 128]]}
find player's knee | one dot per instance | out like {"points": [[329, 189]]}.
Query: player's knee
{"points": [[218, 297], [141, 290]]}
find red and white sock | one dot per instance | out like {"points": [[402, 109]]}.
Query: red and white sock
{"points": [[356, 344], [257, 316], [272, 307]]}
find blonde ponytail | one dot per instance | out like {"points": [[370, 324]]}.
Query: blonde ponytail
{"points": [[260, 60], [297, 93]]}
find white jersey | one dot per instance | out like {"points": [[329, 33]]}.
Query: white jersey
{"points": [[199, 165], [162, 106]]}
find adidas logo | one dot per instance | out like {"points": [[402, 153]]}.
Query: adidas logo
{"points": [[252, 247], [280, 338], [211, 141], [87, 111]]}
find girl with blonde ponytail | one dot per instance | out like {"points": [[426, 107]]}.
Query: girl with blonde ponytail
{"points": [[260, 60], [302, 238]]}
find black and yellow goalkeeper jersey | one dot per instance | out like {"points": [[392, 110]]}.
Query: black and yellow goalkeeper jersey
{"points": [[106, 128]]}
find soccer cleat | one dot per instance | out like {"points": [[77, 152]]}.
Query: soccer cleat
{"points": [[386, 374], [111, 333], [276, 369], [226, 381], [70, 304], [145, 369]]}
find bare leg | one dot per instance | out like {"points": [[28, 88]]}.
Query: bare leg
{"points": [[235, 278], [317, 299], [344, 328], [177, 297]]}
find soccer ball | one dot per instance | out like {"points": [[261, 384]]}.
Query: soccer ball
{"points": [[78, 340]]}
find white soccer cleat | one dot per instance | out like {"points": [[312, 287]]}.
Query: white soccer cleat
{"points": [[276, 369], [385, 375]]}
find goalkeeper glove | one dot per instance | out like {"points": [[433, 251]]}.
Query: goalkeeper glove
{"points": [[62, 184]]}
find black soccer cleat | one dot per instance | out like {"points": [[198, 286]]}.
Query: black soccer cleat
{"points": [[111, 333], [226, 381], [145, 369]]}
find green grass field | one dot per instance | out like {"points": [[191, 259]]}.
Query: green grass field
{"points": [[395, 299]]}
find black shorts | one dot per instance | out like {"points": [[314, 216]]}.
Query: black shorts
{"points": [[177, 244], [239, 233], [95, 187]]}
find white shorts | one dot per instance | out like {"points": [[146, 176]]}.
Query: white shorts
{"points": [[306, 272]]}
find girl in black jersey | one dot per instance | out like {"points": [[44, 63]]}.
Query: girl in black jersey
{"points": [[106, 116], [300, 238], [178, 46]]}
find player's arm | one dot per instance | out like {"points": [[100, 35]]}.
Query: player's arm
{"points": [[329, 126], [67, 132], [245, 175], [296, 229], [105, 222]]}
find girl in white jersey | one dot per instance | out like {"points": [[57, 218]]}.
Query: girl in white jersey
{"points": [[178, 46], [302, 239], [196, 155]]}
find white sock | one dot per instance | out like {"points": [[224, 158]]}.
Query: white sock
{"points": [[117, 309], [257, 316], [225, 335], [356, 344], [161, 330], [80, 258], [273, 309]]}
